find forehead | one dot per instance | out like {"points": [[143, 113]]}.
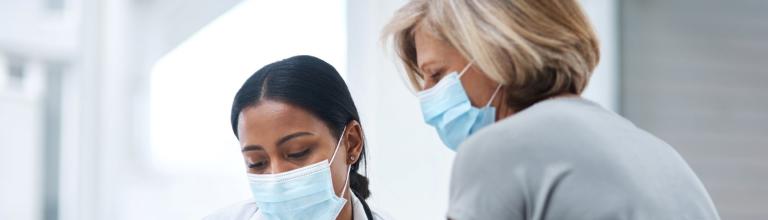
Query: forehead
{"points": [[428, 47], [267, 121]]}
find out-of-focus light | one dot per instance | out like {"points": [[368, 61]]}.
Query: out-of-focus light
{"points": [[192, 87]]}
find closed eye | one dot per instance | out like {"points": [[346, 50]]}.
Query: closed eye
{"points": [[437, 75], [300, 154], [257, 165]]}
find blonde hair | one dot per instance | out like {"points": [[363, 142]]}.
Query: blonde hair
{"points": [[535, 48]]}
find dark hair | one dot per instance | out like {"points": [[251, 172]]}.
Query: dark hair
{"points": [[313, 85]]}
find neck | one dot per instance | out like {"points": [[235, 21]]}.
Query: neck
{"points": [[346, 212], [503, 110]]}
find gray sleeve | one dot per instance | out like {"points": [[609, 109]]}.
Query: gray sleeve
{"points": [[492, 180]]}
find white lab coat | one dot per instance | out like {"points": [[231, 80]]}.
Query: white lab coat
{"points": [[247, 210]]}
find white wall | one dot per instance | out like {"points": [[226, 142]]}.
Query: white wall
{"points": [[21, 135], [604, 85], [409, 168], [26, 28], [20, 158], [106, 169]]}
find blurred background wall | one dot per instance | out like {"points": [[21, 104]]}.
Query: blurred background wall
{"points": [[118, 109], [694, 73]]}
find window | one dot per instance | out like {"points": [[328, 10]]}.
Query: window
{"points": [[192, 87]]}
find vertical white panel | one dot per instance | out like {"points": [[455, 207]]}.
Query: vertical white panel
{"points": [[20, 163], [21, 135], [603, 87]]}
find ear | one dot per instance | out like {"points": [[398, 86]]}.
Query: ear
{"points": [[354, 142]]}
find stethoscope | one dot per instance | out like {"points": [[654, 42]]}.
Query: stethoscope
{"points": [[365, 207]]}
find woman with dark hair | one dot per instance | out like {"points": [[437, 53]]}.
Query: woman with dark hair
{"points": [[302, 143]]}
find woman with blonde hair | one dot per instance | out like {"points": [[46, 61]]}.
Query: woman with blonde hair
{"points": [[500, 80]]}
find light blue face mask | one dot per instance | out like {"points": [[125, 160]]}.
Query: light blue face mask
{"points": [[303, 193], [446, 107]]}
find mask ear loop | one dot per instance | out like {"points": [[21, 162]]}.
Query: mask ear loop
{"points": [[494, 95], [463, 71], [346, 181], [349, 167], [337, 145]]}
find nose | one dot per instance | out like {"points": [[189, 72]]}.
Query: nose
{"points": [[427, 84], [280, 166]]}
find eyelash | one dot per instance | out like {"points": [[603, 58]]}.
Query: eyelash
{"points": [[298, 155], [256, 165], [436, 75]]}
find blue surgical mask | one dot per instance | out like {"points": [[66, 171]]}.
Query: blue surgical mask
{"points": [[303, 193], [446, 107]]}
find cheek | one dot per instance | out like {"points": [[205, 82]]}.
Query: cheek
{"points": [[339, 174], [478, 87]]}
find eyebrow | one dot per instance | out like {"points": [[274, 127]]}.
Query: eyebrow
{"points": [[279, 142], [252, 148], [287, 138]]}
